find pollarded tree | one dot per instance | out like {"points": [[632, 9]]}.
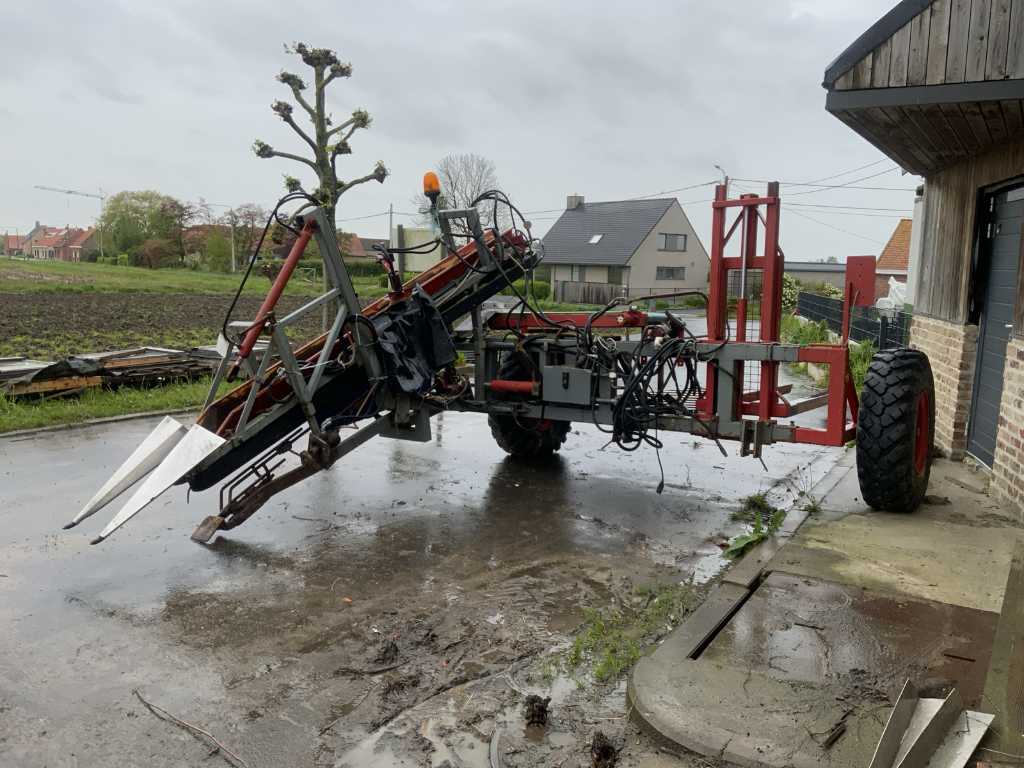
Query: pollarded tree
{"points": [[326, 141]]}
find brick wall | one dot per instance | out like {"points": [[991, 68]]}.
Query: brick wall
{"points": [[1008, 467], [951, 350]]}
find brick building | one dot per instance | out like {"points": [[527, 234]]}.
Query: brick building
{"points": [[938, 86]]}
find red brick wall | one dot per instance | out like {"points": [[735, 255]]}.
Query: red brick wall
{"points": [[1008, 465], [951, 351]]}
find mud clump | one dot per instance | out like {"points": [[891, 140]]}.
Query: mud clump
{"points": [[535, 709], [387, 654], [603, 753]]}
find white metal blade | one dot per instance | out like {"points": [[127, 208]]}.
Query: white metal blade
{"points": [[197, 444], [143, 460]]}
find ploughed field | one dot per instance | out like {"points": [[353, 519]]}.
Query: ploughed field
{"points": [[52, 325]]}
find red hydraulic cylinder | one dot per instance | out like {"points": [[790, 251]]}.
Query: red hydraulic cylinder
{"points": [[276, 290], [513, 387]]}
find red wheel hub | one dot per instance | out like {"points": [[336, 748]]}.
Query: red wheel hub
{"points": [[921, 434]]}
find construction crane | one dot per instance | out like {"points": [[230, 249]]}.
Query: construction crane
{"points": [[101, 197], [385, 368]]}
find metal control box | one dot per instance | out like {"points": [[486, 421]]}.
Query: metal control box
{"points": [[566, 384]]}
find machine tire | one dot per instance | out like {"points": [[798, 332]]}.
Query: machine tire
{"points": [[529, 439], [896, 430]]}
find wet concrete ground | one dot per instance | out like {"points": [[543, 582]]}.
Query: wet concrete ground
{"points": [[277, 638]]}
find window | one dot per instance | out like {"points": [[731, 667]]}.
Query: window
{"points": [[670, 242], [579, 273], [596, 239], [670, 273], [615, 276]]}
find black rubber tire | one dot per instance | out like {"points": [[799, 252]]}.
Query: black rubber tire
{"points": [[528, 439], [896, 430]]}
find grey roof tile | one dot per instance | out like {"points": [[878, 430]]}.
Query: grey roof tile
{"points": [[622, 224]]}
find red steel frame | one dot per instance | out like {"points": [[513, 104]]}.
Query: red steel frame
{"points": [[758, 216]]}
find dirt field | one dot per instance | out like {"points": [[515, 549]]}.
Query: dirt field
{"points": [[52, 325]]}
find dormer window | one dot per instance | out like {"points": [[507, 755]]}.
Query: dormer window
{"points": [[595, 239]]}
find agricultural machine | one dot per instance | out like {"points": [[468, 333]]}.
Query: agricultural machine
{"points": [[384, 369]]}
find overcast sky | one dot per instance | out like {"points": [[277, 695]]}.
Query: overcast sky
{"points": [[608, 99]]}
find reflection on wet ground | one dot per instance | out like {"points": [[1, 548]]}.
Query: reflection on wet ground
{"points": [[448, 542]]}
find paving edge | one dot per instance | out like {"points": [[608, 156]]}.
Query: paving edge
{"points": [[738, 583], [95, 422]]}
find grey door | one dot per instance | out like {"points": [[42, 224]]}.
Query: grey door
{"points": [[1002, 243]]}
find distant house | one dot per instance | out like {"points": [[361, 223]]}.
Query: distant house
{"points": [[50, 244], [637, 247], [895, 259], [82, 243], [12, 245], [35, 236], [810, 272], [359, 248], [67, 244]]}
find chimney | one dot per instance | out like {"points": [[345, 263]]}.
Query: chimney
{"points": [[573, 201]]}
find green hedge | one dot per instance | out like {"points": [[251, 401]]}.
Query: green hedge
{"points": [[541, 289]]}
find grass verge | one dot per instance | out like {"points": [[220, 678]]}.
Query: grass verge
{"points": [[99, 403], [613, 639]]}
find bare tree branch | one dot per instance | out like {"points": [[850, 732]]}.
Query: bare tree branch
{"points": [[380, 172]]}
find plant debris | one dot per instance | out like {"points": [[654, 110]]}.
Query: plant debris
{"points": [[603, 753], [536, 709]]}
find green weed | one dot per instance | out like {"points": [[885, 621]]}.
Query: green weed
{"points": [[765, 521], [613, 639]]}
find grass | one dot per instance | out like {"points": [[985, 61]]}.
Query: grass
{"points": [[19, 276], [765, 521], [613, 639], [98, 403]]}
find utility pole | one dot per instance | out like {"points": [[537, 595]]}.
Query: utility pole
{"points": [[101, 197], [725, 178]]}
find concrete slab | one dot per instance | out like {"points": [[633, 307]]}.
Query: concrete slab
{"points": [[905, 554], [747, 717], [793, 628]]}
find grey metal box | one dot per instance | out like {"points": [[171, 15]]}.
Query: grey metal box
{"points": [[566, 384]]}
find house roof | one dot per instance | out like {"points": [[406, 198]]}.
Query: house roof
{"points": [[876, 34], [896, 254], [80, 237], [14, 241], [622, 225], [813, 266], [361, 247], [53, 239]]}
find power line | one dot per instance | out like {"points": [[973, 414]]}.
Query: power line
{"points": [[828, 186], [847, 207], [678, 189], [837, 229], [846, 184], [852, 170]]}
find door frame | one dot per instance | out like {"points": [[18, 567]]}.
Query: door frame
{"points": [[981, 258]]}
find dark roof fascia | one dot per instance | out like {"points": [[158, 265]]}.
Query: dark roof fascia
{"points": [[876, 34], [947, 93]]}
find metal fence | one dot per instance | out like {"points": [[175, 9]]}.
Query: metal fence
{"points": [[572, 292], [886, 329]]}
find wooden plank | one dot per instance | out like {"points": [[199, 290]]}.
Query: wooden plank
{"points": [[869, 131], [845, 81], [920, 137], [977, 40], [956, 53], [938, 42], [958, 123], [938, 137], [1015, 53], [900, 55], [862, 73], [880, 64], [952, 148], [1014, 117], [994, 121], [1004, 684], [891, 129], [974, 118], [917, 59], [998, 40], [55, 385]]}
